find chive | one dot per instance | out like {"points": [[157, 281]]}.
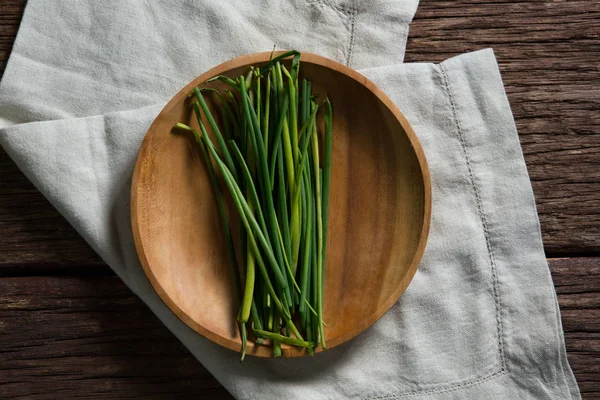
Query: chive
{"points": [[276, 60], [234, 108], [278, 138], [309, 335], [214, 128], [265, 180], [231, 117], [276, 341], [282, 339], [313, 273], [227, 125], [283, 208], [265, 127], [256, 319], [295, 69], [270, 319], [252, 227], [221, 206], [295, 202], [248, 220], [287, 144], [261, 264], [306, 129], [226, 230], [249, 77], [267, 157], [317, 185], [237, 154], [248, 288], [276, 348], [258, 99], [244, 340], [293, 119], [224, 79], [307, 244], [304, 109]]}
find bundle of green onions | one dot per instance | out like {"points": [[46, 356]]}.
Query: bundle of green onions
{"points": [[276, 165]]}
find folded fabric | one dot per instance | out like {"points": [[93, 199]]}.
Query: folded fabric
{"points": [[76, 58], [479, 320]]}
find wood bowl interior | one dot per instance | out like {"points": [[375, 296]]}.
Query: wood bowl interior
{"points": [[379, 214]]}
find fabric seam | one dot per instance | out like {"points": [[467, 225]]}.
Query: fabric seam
{"points": [[351, 13], [347, 10], [452, 388], [352, 36], [480, 213]]}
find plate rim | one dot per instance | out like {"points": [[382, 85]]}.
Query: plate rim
{"points": [[288, 351]]}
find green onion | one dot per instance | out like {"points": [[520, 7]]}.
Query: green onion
{"points": [[267, 157], [282, 339]]}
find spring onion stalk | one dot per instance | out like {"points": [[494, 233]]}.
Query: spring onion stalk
{"points": [[277, 142], [225, 79], [313, 274], [328, 119], [267, 109], [283, 339], [229, 116], [270, 157], [304, 109], [256, 320], [244, 210], [246, 216], [227, 232], [307, 245], [221, 205], [215, 129], [237, 154], [257, 140], [293, 118], [280, 57], [276, 341], [238, 200], [317, 182], [283, 208]]}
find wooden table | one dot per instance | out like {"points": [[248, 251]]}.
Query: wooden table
{"points": [[70, 328]]}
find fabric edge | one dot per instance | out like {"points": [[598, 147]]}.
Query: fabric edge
{"points": [[485, 63]]}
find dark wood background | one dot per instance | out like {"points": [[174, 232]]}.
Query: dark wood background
{"points": [[69, 327]]}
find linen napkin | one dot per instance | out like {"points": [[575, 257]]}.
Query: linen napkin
{"points": [[480, 319]]}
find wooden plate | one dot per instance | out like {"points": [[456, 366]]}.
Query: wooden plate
{"points": [[380, 208]]}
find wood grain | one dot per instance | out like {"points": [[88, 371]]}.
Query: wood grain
{"points": [[548, 51], [81, 337], [577, 282], [85, 337], [34, 235], [176, 226], [10, 18], [33, 232]]}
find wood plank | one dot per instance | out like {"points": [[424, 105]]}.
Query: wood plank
{"points": [[10, 18], [577, 282], [548, 52], [33, 232], [89, 336]]}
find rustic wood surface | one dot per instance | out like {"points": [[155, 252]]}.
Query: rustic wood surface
{"points": [[70, 328]]}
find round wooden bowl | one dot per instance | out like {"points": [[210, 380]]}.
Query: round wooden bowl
{"points": [[380, 208]]}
